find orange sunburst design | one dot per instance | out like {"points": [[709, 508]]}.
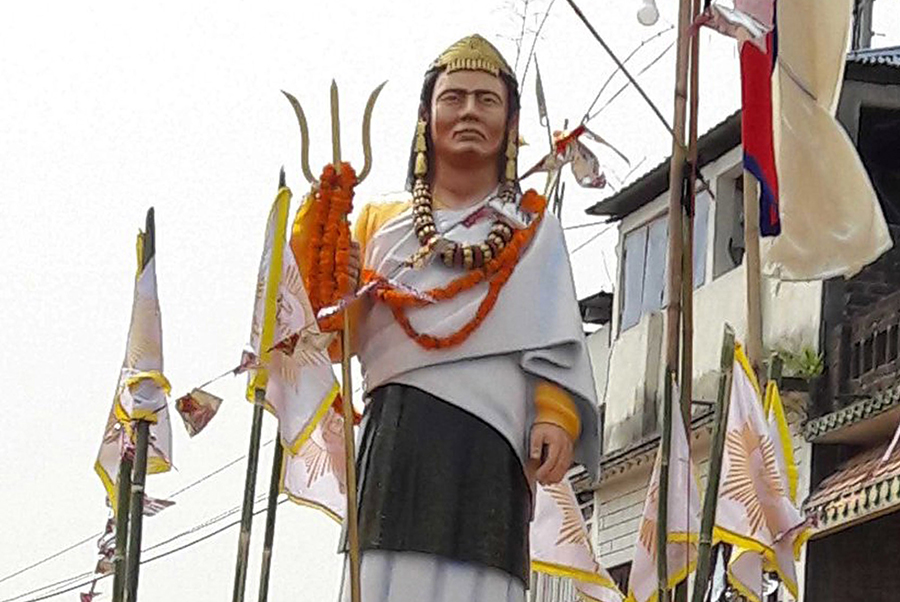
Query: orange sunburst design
{"points": [[326, 457], [753, 479], [647, 532], [571, 531]]}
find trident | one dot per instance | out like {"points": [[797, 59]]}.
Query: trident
{"points": [[352, 525], [336, 133]]}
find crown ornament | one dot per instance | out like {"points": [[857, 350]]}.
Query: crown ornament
{"points": [[473, 53]]}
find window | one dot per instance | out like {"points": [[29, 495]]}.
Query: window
{"points": [[645, 264], [644, 270], [729, 241], [701, 234]]}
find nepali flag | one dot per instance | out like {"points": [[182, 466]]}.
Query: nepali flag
{"points": [[756, 128]]}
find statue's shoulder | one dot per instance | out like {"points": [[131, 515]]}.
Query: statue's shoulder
{"points": [[379, 210]]}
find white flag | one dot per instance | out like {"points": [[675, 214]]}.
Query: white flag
{"points": [[141, 390], [317, 474], [755, 512], [683, 520], [296, 370], [832, 223], [560, 544]]}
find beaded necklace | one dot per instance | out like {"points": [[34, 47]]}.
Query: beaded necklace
{"points": [[454, 254]]}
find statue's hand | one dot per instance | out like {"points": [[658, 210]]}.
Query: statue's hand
{"points": [[552, 449]]}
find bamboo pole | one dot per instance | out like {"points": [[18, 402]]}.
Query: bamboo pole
{"points": [[662, 509], [142, 443], [138, 481], [240, 572], [711, 497], [271, 510], [122, 510], [753, 272], [274, 491], [687, 282]]}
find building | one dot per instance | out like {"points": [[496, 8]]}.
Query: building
{"points": [[839, 338]]}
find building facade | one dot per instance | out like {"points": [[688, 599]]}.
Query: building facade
{"points": [[840, 340]]}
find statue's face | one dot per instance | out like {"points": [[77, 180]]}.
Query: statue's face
{"points": [[468, 117]]}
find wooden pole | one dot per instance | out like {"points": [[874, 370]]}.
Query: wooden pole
{"points": [[240, 572], [347, 392], [138, 480], [711, 497], [122, 510], [271, 510], [753, 272]]}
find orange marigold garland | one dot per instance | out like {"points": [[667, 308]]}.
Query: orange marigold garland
{"points": [[497, 271], [328, 251]]}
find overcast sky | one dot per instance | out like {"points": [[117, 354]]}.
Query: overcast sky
{"points": [[108, 108]]}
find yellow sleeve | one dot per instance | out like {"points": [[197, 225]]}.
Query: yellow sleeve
{"points": [[554, 405]]}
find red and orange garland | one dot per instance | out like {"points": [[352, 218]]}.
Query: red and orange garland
{"points": [[497, 271], [328, 252]]}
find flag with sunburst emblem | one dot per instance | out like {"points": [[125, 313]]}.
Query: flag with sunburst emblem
{"points": [[683, 519], [561, 546], [756, 512], [294, 368], [141, 390]]}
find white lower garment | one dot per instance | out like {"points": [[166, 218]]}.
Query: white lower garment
{"points": [[387, 576]]}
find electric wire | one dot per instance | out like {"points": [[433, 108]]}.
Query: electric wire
{"points": [[144, 561], [54, 555]]}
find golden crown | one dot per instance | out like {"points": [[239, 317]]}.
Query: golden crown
{"points": [[473, 53]]}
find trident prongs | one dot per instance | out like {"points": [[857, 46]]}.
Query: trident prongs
{"points": [[304, 137], [336, 132], [367, 132]]}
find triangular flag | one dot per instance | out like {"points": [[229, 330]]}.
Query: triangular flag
{"points": [[142, 388], [294, 367], [561, 546], [755, 512], [683, 519]]}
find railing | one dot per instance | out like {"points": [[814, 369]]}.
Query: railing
{"points": [[875, 347]]}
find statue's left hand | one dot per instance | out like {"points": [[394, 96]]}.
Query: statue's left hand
{"points": [[552, 447]]}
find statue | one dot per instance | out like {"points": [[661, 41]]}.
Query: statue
{"points": [[477, 378]]}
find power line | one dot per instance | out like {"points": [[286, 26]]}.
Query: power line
{"points": [[145, 561], [590, 225], [97, 535], [590, 240]]}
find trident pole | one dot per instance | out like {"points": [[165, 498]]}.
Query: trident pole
{"points": [[347, 391]]}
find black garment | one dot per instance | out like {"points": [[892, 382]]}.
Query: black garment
{"points": [[436, 479]]}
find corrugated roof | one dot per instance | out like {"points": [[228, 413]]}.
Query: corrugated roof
{"points": [[876, 56]]}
